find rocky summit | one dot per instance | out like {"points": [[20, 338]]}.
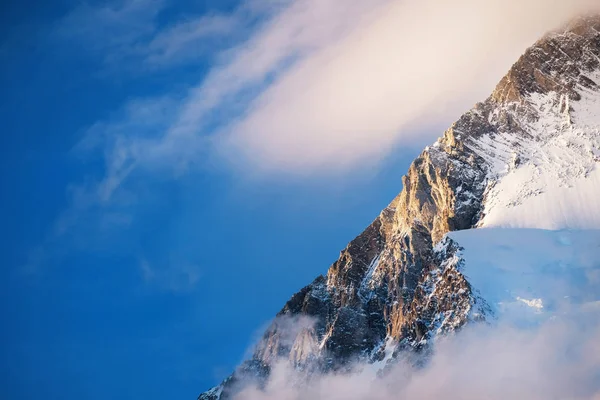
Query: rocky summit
{"points": [[503, 163]]}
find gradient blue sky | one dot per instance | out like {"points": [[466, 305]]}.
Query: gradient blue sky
{"points": [[158, 291], [173, 171]]}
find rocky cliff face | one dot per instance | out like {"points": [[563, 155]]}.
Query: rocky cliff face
{"points": [[398, 284]]}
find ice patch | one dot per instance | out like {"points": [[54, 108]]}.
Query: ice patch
{"points": [[528, 275], [533, 303], [546, 176]]}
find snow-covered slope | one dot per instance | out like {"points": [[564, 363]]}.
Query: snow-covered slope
{"points": [[528, 276], [549, 177]]}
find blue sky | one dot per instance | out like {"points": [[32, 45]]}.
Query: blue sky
{"points": [[158, 290], [172, 172]]}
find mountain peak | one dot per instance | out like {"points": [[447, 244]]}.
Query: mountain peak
{"points": [[556, 63], [586, 25], [527, 156]]}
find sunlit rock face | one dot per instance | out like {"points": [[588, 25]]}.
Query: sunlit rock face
{"points": [[503, 163]]}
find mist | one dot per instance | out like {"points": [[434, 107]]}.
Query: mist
{"points": [[558, 360]]}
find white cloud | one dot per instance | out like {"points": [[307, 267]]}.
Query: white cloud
{"points": [[559, 360], [327, 86], [351, 99], [174, 277]]}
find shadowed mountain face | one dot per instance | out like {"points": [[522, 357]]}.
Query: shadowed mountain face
{"points": [[393, 287]]}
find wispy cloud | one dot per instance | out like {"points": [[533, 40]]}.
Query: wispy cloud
{"points": [[131, 138], [188, 40], [195, 121], [294, 87], [329, 85], [112, 27], [130, 33], [179, 277]]}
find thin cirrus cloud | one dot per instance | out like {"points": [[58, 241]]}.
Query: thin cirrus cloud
{"points": [[176, 277], [187, 39], [322, 86], [109, 28], [130, 32]]}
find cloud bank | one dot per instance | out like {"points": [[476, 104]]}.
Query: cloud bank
{"points": [[402, 66], [539, 340], [558, 360]]}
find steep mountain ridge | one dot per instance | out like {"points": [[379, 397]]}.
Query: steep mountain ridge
{"points": [[398, 284]]}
